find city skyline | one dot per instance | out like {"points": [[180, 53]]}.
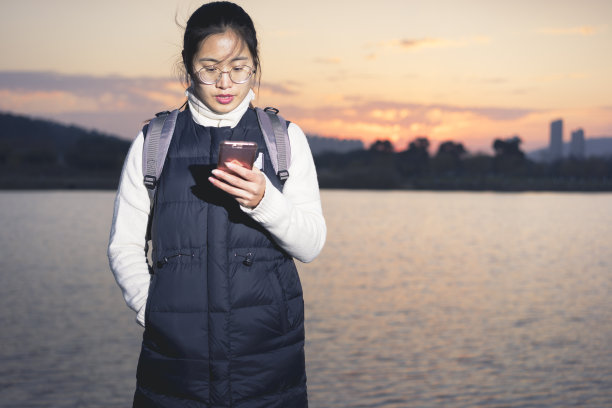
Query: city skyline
{"points": [[468, 72]]}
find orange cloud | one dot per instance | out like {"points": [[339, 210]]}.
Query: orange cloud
{"points": [[270, 89], [581, 30], [561, 77], [390, 114], [46, 101], [329, 60], [350, 129], [419, 43], [170, 93]]}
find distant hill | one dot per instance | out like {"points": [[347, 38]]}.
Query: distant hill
{"points": [[594, 147], [319, 145], [36, 153]]}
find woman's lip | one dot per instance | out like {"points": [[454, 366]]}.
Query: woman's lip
{"points": [[224, 99]]}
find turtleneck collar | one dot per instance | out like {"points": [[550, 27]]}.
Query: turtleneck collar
{"points": [[202, 114]]}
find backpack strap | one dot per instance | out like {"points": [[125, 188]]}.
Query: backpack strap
{"points": [[276, 136], [156, 143]]}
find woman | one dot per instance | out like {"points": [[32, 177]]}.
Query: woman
{"points": [[222, 307]]}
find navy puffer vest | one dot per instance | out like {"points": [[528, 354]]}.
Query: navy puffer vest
{"points": [[225, 314]]}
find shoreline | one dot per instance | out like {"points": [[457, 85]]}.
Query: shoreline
{"points": [[509, 187]]}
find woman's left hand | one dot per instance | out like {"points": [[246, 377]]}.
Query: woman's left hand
{"points": [[246, 186]]}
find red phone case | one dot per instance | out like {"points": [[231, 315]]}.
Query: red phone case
{"points": [[239, 152]]}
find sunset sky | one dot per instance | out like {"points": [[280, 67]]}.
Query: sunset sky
{"points": [[462, 70]]}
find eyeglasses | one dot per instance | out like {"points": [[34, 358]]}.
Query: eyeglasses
{"points": [[238, 74]]}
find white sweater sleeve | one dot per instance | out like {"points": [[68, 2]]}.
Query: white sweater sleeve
{"points": [[126, 252], [294, 217]]}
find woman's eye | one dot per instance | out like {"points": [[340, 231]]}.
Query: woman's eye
{"points": [[209, 69]]}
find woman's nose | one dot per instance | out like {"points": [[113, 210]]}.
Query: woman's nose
{"points": [[224, 80]]}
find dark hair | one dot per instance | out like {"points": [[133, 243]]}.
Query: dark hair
{"points": [[217, 18]]}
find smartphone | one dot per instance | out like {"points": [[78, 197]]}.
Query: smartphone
{"points": [[239, 152]]}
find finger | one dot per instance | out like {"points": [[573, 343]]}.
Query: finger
{"points": [[235, 192], [248, 189], [230, 178], [247, 174], [248, 197]]}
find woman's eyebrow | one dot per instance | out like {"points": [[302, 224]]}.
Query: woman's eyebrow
{"points": [[216, 61]]}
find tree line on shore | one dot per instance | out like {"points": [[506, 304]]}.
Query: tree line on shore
{"points": [[452, 167]]}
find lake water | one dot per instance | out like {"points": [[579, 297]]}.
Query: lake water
{"points": [[419, 299]]}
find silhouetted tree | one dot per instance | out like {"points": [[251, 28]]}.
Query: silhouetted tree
{"points": [[509, 158], [508, 147], [382, 146], [448, 158], [419, 147], [415, 159], [451, 148]]}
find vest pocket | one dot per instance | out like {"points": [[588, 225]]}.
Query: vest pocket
{"points": [[175, 285], [286, 318], [294, 294], [149, 296]]}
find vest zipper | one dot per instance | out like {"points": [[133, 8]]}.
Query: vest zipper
{"points": [[166, 259], [248, 258]]}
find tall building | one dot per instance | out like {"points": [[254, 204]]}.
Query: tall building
{"points": [[555, 150], [577, 144]]}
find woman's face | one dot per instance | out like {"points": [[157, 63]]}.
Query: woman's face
{"points": [[223, 51]]}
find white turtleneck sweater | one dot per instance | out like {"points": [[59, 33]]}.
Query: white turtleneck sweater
{"points": [[293, 217]]}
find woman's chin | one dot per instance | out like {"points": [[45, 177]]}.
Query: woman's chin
{"points": [[221, 108]]}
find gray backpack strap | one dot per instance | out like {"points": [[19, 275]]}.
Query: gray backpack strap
{"points": [[157, 140], [276, 136]]}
